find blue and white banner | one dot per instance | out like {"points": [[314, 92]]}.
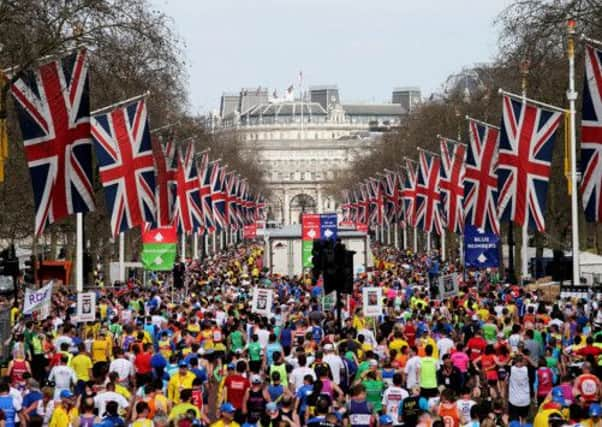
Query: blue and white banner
{"points": [[328, 226], [481, 248]]}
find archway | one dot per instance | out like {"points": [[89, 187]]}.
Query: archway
{"points": [[300, 204]]}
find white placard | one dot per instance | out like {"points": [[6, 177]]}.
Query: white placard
{"points": [[262, 301], [448, 285], [86, 307], [372, 302], [38, 300]]}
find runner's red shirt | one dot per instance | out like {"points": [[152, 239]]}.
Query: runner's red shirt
{"points": [[143, 363], [477, 347], [236, 386]]}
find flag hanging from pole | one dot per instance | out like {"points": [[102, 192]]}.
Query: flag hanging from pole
{"points": [[188, 210], [408, 194], [525, 155], [591, 136], [53, 107], [205, 170], [428, 213], [126, 166], [218, 197], [480, 181], [390, 198], [165, 180], [453, 157], [159, 248]]}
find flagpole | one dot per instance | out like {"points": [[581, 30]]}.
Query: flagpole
{"points": [[572, 97], [524, 262], [214, 242], [428, 243], [120, 104], [79, 258], [183, 247], [415, 240], [443, 244], [405, 237], [195, 245], [396, 236], [122, 257]]}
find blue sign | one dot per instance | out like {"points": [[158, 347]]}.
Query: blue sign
{"points": [[481, 248], [328, 226]]}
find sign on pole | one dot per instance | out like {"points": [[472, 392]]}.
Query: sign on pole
{"points": [[307, 247], [448, 285], [481, 248], [262, 301], [159, 248], [310, 226], [372, 302], [86, 307], [38, 301]]}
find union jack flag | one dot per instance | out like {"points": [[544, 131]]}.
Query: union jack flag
{"points": [[408, 194], [591, 136], [188, 209], [260, 208], [480, 181], [126, 165], [390, 193], [54, 115], [165, 180], [353, 194], [453, 157], [376, 201], [401, 214], [428, 214], [346, 208], [230, 193], [218, 197], [525, 155], [206, 170], [363, 205]]}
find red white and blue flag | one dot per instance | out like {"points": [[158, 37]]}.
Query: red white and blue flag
{"points": [[376, 201], [591, 136], [428, 213], [480, 181], [346, 208], [525, 155], [54, 115], [218, 197], [363, 205], [230, 192], [453, 158], [390, 193], [206, 170], [188, 208], [165, 180], [126, 165], [408, 194]]}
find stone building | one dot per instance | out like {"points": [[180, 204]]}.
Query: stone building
{"points": [[302, 144]]}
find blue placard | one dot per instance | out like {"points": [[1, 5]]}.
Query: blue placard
{"points": [[328, 226], [481, 248]]}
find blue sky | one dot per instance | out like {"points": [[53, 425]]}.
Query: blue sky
{"points": [[365, 47]]}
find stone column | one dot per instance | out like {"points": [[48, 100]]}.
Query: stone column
{"points": [[319, 199], [286, 208]]}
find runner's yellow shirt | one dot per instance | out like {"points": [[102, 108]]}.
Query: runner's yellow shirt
{"points": [[62, 418], [82, 364], [221, 423]]}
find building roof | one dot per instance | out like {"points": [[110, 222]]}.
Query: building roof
{"points": [[287, 108], [374, 109], [292, 231]]}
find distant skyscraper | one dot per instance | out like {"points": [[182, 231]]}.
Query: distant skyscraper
{"points": [[407, 97]]}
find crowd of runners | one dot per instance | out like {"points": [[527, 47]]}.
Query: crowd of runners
{"points": [[492, 355]]}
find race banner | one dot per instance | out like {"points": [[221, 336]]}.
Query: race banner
{"points": [[86, 307], [307, 247], [310, 226], [159, 248], [372, 302], [38, 301], [249, 231], [448, 285], [328, 226], [262, 301], [481, 248]]}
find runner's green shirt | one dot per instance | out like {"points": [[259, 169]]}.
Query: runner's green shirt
{"points": [[236, 339], [254, 351], [374, 389]]}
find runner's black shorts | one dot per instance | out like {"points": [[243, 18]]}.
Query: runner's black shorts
{"points": [[516, 412]]}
